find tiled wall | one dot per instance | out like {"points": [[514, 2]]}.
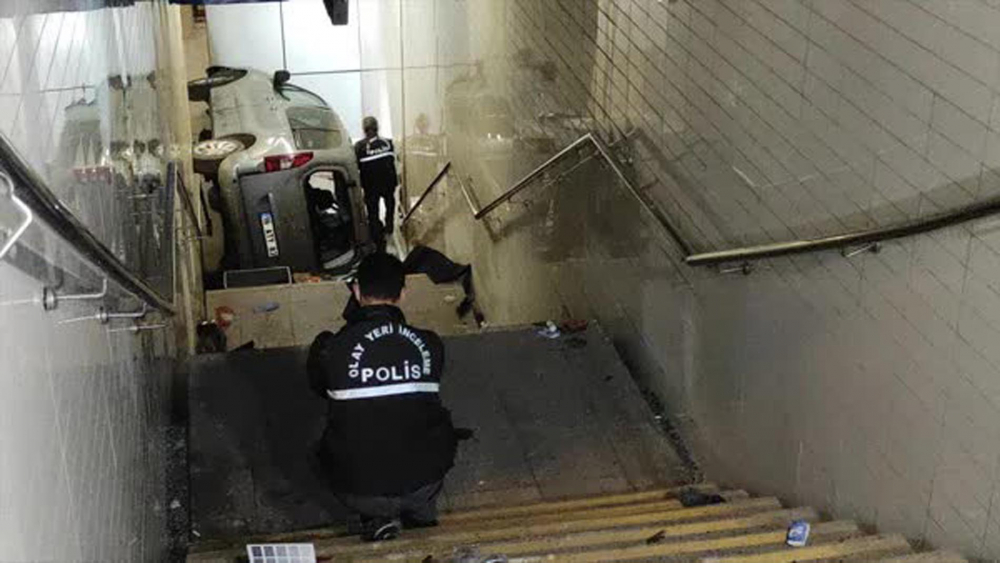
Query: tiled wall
{"points": [[82, 442], [85, 98], [83, 406], [868, 386]]}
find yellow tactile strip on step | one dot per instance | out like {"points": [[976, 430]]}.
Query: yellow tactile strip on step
{"points": [[566, 507], [688, 550], [929, 557], [435, 538], [571, 504], [476, 531], [829, 531], [867, 547], [620, 537]]}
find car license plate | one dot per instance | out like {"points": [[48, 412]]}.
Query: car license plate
{"points": [[270, 239]]}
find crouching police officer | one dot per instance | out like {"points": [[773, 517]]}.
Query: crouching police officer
{"points": [[388, 441]]}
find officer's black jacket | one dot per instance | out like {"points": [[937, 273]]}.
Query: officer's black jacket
{"points": [[387, 432], [377, 162]]}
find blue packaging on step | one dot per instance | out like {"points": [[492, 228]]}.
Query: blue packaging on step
{"points": [[798, 534]]}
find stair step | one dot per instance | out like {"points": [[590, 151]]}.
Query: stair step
{"points": [[864, 548], [571, 504], [621, 537], [582, 513], [423, 539], [927, 557], [521, 530], [512, 530], [829, 531]]}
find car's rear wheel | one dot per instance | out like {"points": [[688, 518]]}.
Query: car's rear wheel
{"points": [[209, 153], [200, 89]]}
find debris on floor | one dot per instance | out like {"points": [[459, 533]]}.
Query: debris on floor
{"points": [[283, 552], [268, 307], [548, 330], [472, 555], [798, 534], [574, 325], [693, 497], [656, 538]]}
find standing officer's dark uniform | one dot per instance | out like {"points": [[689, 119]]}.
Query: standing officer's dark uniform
{"points": [[377, 161], [388, 441]]}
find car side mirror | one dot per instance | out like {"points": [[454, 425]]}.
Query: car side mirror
{"points": [[281, 78]]}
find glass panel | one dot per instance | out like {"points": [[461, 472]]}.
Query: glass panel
{"points": [[84, 104], [382, 97], [379, 28], [230, 29], [302, 97], [342, 92], [314, 128], [313, 43], [420, 33], [454, 46]]}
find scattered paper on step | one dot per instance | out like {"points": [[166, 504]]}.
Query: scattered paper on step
{"points": [[798, 534]]}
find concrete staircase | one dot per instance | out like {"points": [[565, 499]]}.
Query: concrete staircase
{"points": [[641, 526]]}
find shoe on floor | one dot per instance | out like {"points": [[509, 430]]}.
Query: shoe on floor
{"points": [[411, 523], [381, 530]]}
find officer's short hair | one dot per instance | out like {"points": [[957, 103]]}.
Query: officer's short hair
{"points": [[369, 122], [381, 276]]}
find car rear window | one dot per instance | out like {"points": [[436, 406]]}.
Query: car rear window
{"points": [[301, 96], [314, 128]]}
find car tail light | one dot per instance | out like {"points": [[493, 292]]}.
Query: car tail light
{"points": [[286, 161]]}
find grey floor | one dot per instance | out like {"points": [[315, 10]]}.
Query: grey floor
{"points": [[553, 419]]}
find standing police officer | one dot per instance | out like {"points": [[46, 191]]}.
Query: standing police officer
{"points": [[388, 441], [377, 161]]}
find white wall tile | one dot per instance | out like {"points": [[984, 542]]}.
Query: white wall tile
{"points": [[77, 474], [310, 41], [891, 354]]}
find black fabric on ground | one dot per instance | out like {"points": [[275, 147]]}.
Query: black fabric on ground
{"points": [[419, 507], [436, 266]]}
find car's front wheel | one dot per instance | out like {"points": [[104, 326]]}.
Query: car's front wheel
{"points": [[208, 154]]}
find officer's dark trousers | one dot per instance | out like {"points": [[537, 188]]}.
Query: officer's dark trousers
{"points": [[372, 198], [420, 505]]}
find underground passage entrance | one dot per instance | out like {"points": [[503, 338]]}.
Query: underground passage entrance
{"points": [[553, 418]]}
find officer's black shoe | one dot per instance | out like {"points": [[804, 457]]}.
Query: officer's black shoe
{"points": [[380, 530], [411, 523]]}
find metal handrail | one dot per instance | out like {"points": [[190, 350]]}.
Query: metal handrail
{"points": [[855, 238], [470, 199], [526, 180], [173, 170], [590, 138], [46, 206], [437, 179], [744, 254]]}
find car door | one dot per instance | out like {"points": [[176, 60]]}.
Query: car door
{"points": [[277, 217]]}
